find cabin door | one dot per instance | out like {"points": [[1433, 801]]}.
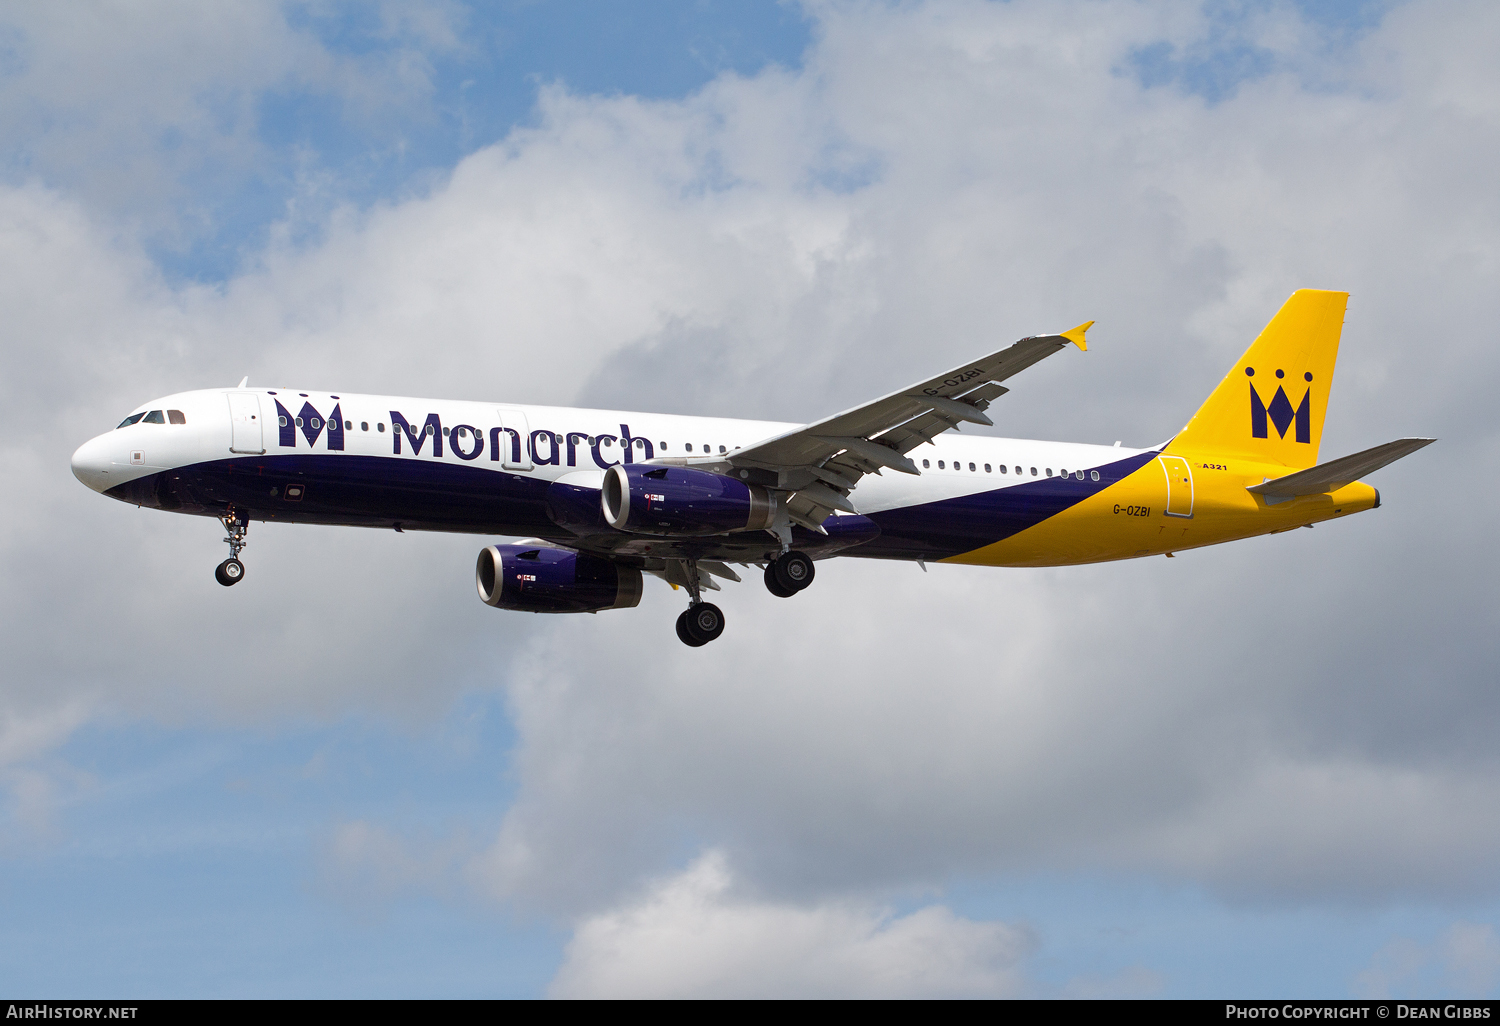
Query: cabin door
{"points": [[246, 424], [1179, 486], [515, 440]]}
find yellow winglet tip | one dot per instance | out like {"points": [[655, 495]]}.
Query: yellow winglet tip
{"points": [[1076, 335]]}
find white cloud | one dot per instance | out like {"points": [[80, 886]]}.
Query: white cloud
{"points": [[364, 865], [1466, 957], [153, 111], [692, 935], [1132, 982], [33, 788], [1472, 955], [24, 736]]}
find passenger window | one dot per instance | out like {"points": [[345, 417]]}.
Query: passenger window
{"points": [[1078, 474], [1033, 472], [297, 421], [445, 430], [925, 464], [133, 418], [987, 469], [971, 466], [364, 425], [154, 417], [348, 425], [662, 446], [721, 448], [380, 427], [689, 447], [281, 422], [1049, 471], [1004, 469], [942, 465], [175, 417], [1094, 474]]}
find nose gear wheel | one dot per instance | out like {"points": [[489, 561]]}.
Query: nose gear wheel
{"points": [[232, 571]]}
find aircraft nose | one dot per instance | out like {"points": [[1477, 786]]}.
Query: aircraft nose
{"points": [[92, 466]]}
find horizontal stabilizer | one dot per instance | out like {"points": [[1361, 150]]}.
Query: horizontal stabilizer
{"points": [[1335, 474]]}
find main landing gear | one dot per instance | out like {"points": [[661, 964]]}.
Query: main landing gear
{"points": [[789, 573], [232, 571], [701, 622]]}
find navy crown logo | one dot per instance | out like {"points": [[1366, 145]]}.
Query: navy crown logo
{"points": [[1279, 411], [311, 423]]}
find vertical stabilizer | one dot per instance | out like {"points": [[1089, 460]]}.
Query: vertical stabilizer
{"points": [[1271, 404]]}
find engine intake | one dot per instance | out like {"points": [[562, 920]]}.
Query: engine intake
{"points": [[536, 579], [647, 499]]}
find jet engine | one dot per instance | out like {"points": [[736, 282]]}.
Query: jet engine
{"points": [[536, 579], [647, 499]]}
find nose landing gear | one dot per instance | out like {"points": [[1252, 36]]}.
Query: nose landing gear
{"points": [[789, 573], [232, 571]]}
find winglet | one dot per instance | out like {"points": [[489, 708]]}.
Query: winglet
{"points": [[243, 381], [1076, 335]]}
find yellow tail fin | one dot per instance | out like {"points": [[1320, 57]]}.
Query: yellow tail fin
{"points": [[1270, 406]]}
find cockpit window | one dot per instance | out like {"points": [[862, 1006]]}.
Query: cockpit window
{"points": [[175, 417], [130, 420], [154, 417]]}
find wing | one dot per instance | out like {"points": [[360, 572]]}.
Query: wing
{"points": [[822, 463]]}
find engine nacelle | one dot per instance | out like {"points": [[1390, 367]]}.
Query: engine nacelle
{"points": [[535, 579], [646, 499]]}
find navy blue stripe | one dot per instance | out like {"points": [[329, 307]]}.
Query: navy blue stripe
{"points": [[949, 527], [433, 495], [360, 491]]}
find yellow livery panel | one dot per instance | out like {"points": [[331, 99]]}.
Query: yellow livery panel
{"points": [[1177, 501]]}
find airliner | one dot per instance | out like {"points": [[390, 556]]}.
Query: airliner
{"points": [[601, 499]]}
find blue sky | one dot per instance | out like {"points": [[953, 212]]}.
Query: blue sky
{"points": [[476, 90], [319, 830]]}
